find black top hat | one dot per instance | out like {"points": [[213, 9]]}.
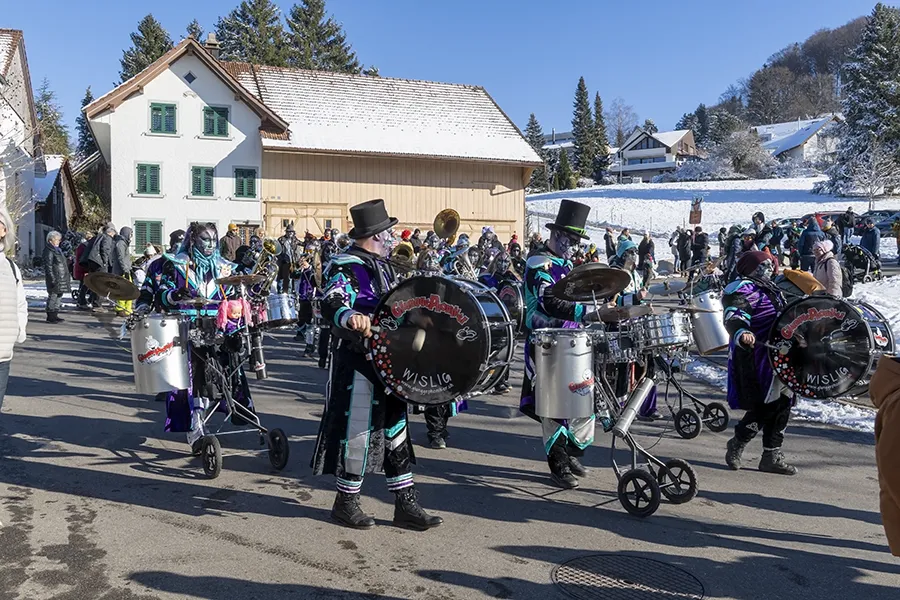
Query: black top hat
{"points": [[571, 218], [370, 218]]}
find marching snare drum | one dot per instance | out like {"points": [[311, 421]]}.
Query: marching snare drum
{"points": [[510, 294], [281, 312], [708, 328], [619, 343], [564, 373], [159, 354], [440, 339], [823, 347], [668, 330]]}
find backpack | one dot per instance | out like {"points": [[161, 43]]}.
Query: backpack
{"points": [[846, 282]]}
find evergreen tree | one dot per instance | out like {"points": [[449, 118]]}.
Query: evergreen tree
{"points": [[871, 106], [194, 30], [535, 136], [689, 121], [371, 71], [601, 158], [53, 132], [317, 41], [564, 172], [583, 131], [650, 126], [722, 123], [85, 145], [253, 33], [148, 43], [701, 136]]}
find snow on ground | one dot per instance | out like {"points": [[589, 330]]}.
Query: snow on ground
{"points": [[884, 295], [829, 412], [660, 207], [36, 294]]}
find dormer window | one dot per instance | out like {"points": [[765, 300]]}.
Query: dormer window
{"points": [[162, 118]]}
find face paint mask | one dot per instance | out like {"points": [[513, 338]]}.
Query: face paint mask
{"points": [[383, 244], [565, 246], [204, 242], [764, 271], [630, 258]]}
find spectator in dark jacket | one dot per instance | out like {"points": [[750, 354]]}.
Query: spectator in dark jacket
{"points": [[685, 241], [699, 248], [610, 241], [56, 275], [121, 265], [646, 258], [846, 225], [871, 238], [810, 236], [832, 233], [230, 243], [100, 258], [722, 239], [80, 269]]}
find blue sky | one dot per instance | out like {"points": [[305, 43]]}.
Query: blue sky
{"points": [[662, 57]]}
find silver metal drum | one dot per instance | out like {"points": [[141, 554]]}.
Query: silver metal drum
{"points": [[564, 373], [281, 312], [709, 330], [159, 355], [668, 330]]}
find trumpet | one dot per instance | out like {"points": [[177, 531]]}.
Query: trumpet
{"points": [[266, 263]]}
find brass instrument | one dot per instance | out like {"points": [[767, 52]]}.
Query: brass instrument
{"points": [[403, 255], [266, 263], [446, 225]]}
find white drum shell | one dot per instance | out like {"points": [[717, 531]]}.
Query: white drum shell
{"points": [[158, 355], [564, 373], [709, 330], [281, 311]]}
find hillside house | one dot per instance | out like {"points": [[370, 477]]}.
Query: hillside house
{"points": [[647, 155], [799, 140]]}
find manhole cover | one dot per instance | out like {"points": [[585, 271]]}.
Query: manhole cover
{"points": [[622, 577]]}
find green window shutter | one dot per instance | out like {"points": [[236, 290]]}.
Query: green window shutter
{"points": [[245, 183], [215, 121], [202, 181], [169, 119], [221, 121], [141, 187], [153, 179], [154, 233], [208, 177], [250, 184], [156, 118], [162, 118], [196, 182], [140, 234], [209, 121]]}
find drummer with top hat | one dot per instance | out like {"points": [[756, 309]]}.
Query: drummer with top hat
{"points": [[550, 261], [363, 429]]}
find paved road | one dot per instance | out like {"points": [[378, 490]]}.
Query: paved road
{"points": [[96, 502]]}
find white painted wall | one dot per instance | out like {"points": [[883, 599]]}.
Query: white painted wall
{"points": [[131, 143]]}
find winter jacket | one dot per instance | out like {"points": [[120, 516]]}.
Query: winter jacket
{"points": [[828, 272], [610, 245], [86, 254], [834, 237], [810, 236], [847, 221], [56, 270], [684, 244], [101, 252], [700, 246], [723, 239], [646, 252], [229, 245], [13, 308], [777, 237], [121, 256], [884, 391], [871, 240], [78, 269], [764, 237]]}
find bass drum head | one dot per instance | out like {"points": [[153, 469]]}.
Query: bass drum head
{"points": [[431, 342], [820, 347], [510, 294]]}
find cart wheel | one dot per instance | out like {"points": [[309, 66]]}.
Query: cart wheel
{"points": [[639, 493], [716, 416], [688, 423], [868, 279], [212, 456], [279, 451], [679, 483]]}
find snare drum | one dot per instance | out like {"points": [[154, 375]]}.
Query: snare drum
{"points": [[159, 355], [440, 339], [668, 330], [281, 312], [564, 373], [620, 345], [708, 328], [822, 347]]}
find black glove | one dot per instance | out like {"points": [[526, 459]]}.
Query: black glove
{"points": [[180, 294]]}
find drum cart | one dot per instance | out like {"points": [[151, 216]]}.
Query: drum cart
{"points": [[689, 420]]}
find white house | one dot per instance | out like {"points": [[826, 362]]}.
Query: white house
{"points": [[646, 155], [18, 139], [182, 141], [799, 140]]}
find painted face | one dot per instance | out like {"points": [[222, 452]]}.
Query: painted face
{"points": [[503, 264], [205, 240], [630, 257], [764, 270], [384, 242], [565, 244]]}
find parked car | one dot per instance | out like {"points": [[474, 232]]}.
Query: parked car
{"points": [[834, 214], [877, 215], [884, 225]]}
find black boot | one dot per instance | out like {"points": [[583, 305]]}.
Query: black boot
{"points": [[347, 512], [772, 461], [408, 513], [437, 441], [578, 469], [560, 471], [53, 317], [735, 448]]}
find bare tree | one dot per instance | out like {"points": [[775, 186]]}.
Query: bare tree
{"points": [[620, 121], [875, 172]]}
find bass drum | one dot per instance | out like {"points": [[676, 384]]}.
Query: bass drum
{"points": [[823, 347], [510, 294], [439, 339], [884, 342]]}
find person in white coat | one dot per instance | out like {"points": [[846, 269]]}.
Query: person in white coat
{"points": [[13, 306]]}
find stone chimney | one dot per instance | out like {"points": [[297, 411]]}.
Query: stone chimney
{"points": [[212, 45]]}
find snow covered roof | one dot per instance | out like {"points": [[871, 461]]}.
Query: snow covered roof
{"points": [[786, 136], [359, 114], [666, 138], [43, 185], [9, 40], [86, 163]]}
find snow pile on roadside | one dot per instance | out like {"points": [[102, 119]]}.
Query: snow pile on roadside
{"points": [[829, 412], [36, 294]]}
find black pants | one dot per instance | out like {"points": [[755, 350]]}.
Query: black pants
{"points": [[436, 418], [772, 418], [324, 343]]}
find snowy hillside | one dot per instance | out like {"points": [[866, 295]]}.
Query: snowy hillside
{"points": [[661, 207]]}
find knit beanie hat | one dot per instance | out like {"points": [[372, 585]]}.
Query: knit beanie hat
{"points": [[750, 260], [624, 246], [824, 245]]}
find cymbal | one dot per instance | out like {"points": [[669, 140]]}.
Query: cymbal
{"points": [[666, 288], [616, 314], [690, 309], [246, 280], [199, 301], [114, 287], [589, 280]]}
